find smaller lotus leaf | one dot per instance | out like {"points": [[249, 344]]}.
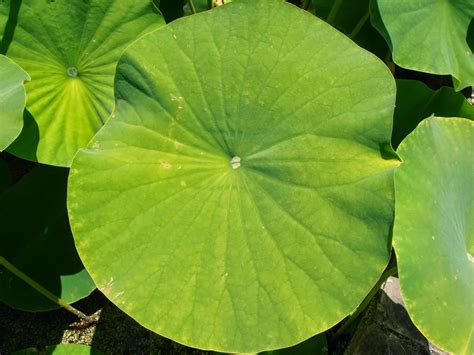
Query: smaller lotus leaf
{"points": [[36, 239], [70, 49], [12, 100], [416, 101], [434, 230], [430, 36]]}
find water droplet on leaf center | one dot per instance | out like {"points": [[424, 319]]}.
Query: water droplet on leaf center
{"points": [[72, 72], [235, 162]]}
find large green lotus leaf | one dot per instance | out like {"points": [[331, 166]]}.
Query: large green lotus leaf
{"points": [[416, 101], [237, 201], [353, 18], [71, 49], [60, 349], [434, 231], [36, 239], [12, 100], [430, 36]]}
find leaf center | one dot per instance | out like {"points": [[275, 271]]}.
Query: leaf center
{"points": [[235, 162], [72, 72]]}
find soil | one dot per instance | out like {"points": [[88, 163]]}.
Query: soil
{"points": [[111, 331]]}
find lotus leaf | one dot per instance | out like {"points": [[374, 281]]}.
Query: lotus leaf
{"points": [[71, 49], [236, 200], [430, 36], [416, 101], [12, 100], [434, 230]]}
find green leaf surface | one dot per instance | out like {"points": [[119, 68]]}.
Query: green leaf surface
{"points": [[430, 36], [60, 349], [71, 49], [237, 201], [416, 101], [434, 231], [376, 21], [4, 10], [316, 345], [12, 100], [36, 239]]}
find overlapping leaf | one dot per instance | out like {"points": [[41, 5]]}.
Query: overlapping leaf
{"points": [[416, 101], [430, 36], [36, 239], [434, 231], [12, 100], [238, 201], [70, 49]]}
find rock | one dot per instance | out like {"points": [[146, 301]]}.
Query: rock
{"points": [[386, 328]]}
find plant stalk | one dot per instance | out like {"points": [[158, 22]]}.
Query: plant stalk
{"points": [[306, 4], [21, 275], [334, 10], [191, 6], [360, 24]]}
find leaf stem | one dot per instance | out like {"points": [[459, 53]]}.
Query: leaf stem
{"points": [[191, 6], [387, 273], [21, 275], [360, 24], [334, 10], [306, 4], [388, 56]]}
